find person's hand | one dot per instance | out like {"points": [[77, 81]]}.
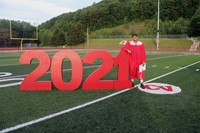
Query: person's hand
{"points": [[129, 51]]}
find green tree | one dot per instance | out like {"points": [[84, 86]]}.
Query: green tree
{"points": [[45, 36], [75, 34], [181, 26], [58, 37], [111, 13], [117, 32], [194, 26]]}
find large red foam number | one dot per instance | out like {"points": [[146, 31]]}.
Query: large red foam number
{"points": [[122, 61], [93, 81], [30, 82], [56, 70]]}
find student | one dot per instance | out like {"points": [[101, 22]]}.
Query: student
{"points": [[137, 58]]}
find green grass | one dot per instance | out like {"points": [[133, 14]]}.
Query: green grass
{"points": [[182, 44], [132, 111]]}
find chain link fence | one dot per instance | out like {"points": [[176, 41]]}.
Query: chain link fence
{"points": [[140, 36]]}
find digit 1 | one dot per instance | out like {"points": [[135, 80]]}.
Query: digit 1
{"points": [[57, 74], [122, 61]]}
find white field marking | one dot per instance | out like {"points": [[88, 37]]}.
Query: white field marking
{"points": [[172, 72], [154, 66], [17, 64], [11, 84], [147, 59], [155, 88], [85, 104], [24, 75], [48, 50], [71, 69], [16, 76], [83, 67], [166, 67], [5, 74], [81, 53], [166, 57], [181, 67]]}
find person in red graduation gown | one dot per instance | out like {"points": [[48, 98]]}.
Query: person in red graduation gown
{"points": [[137, 54]]}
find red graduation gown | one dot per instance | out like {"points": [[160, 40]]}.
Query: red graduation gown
{"points": [[137, 57]]}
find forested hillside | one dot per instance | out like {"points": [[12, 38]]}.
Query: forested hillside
{"points": [[175, 18], [122, 17]]}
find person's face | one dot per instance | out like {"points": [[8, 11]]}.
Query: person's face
{"points": [[135, 38]]}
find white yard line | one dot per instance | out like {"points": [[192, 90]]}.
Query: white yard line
{"points": [[166, 57], [172, 72], [85, 104], [167, 67], [17, 76], [147, 59], [24, 75]]}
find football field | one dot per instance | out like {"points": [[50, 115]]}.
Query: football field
{"points": [[121, 111]]}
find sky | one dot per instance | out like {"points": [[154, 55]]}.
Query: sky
{"points": [[39, 11]]}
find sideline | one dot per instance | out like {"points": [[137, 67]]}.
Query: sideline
{"points": [[85, 104]]}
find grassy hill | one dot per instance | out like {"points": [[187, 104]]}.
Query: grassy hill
{"points": [[182, 44], [125, 29]]}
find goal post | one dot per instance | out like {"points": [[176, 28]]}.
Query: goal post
{"points": [[21, 38]]}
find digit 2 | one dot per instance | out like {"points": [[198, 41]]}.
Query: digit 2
{"points": [[30, 82], [93, 81]]}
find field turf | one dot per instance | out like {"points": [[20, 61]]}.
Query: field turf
{"points": [[127, 111]]}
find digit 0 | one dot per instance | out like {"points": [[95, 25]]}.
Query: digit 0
{"points": [[56, 70]]}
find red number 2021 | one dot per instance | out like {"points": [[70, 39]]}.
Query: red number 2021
{"points": [[92, 82]]}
